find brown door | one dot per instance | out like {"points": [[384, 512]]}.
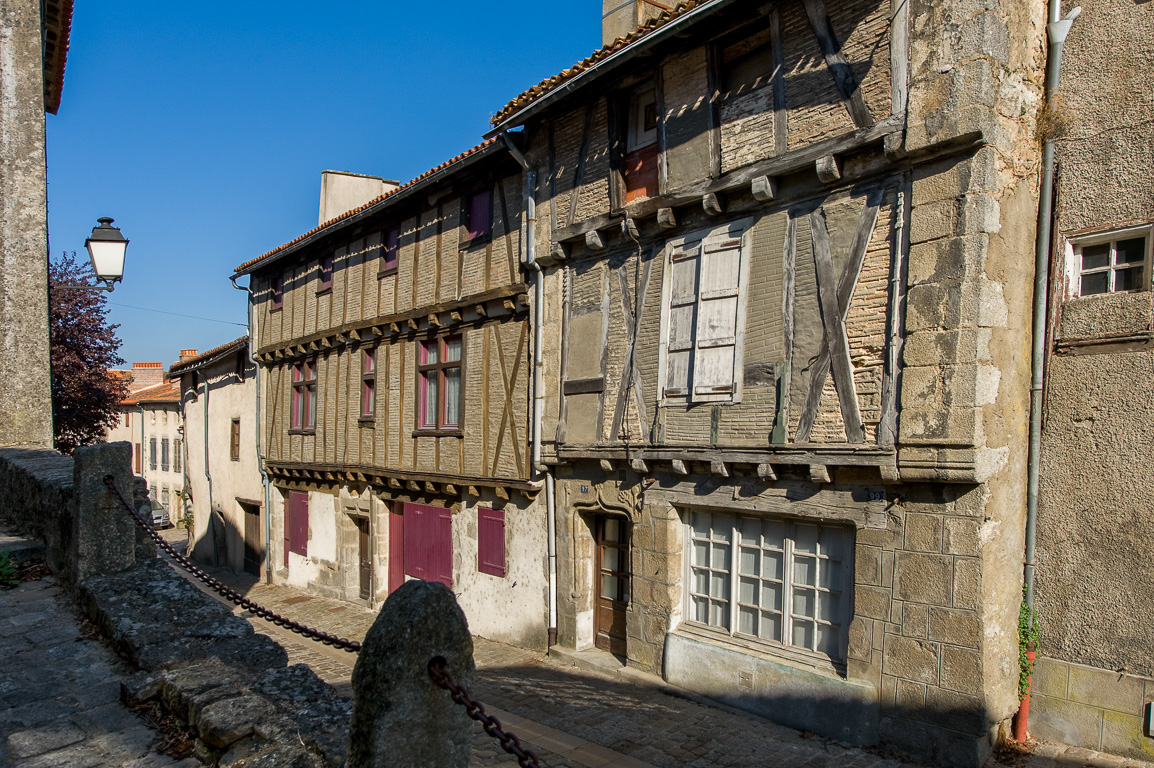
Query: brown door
{"points": [[366, 557], [612, 583], [252, 539]]}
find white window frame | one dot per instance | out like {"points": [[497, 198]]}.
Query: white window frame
{"points": [[703, 240], [1076, 243], [785, 646], [638, 136]]}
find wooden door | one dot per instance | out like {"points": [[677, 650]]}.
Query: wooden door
{"points": [[253, 554], [612, 583], [366, 557], [396, 548]]}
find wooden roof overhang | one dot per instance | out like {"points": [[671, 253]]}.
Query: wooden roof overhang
{"points": [[56, 29]]}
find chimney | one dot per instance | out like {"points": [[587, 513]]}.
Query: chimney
{"points": [[620, 17], [342, 191], [187, 354], [146, 375]]}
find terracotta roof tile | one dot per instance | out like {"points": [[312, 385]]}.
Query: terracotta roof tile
{"points": [[183, 365], [550, 83], [370, 204], [168, 392]]}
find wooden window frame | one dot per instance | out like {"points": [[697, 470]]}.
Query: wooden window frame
{"points": [[676, 250], [1111, 238], [303, 417], [783, 645], [471, 234], [368, 385], [165, 455], [390, 251], [152, 457], [638, 143], [234, 440], [438, 427], [177, 454], [325, 275]]}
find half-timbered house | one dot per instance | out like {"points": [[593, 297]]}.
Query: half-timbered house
{"points": [[393, 341], [786, 252]]}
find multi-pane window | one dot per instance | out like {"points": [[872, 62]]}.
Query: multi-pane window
{"points": [[478, 216], [152, 453], [703, 312], [234, 441], [1113, 265], [326, 274], [392, 246], [278, 292], [369, 384], [639, 165], [304, 396], [439, 383], [781, 582], [176, 454], [164, 454]]}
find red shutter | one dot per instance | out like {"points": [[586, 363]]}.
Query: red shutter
{"points": [[491, 541], [429, 543], [298, 524]]}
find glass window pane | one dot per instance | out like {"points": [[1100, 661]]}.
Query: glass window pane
{"points": [[770, 626], [700, 582], [828, 639], [701, 525], [1095, 283], [612, 530], [700, 553], [803, 634], [829, 604], [772, 565], [804, 602], [453, 349], [719, 585], [701, 610], [452, 397], [804, 571], [721, 557], [747, 591], [805, 538], [429, 351], [747, 620], [719, 614], [774, 533], [771, 596], [750, 531], [747, 561], [831, 542], [829, 574], [1094, 256], [608, 587], [429, 386], [1128, 279], [1129, 251], [609, 558]]}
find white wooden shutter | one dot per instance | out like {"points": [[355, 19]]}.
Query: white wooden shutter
{"points": [[719, 284], [684, 264]]}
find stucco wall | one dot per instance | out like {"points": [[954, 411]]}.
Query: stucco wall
{"points": [[25, 398]]}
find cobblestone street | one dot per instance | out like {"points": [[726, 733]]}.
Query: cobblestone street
{"points": [[60, 692]]}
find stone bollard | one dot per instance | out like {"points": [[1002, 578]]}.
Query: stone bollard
{"points": [[103, 533], [401, 719]]}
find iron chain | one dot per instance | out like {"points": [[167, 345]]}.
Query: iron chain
{"points": [[227, 592], [509, 742]]}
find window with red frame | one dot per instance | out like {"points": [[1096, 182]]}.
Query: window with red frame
{"points": [[304, 400], [478, 216], [392, 246], [369, 384], [439, 383], [277, 292], [326, 274], [491, 541]]}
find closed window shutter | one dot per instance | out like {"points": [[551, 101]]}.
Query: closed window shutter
{"points": [[491, 541], [684, 266], [298, 524], [716, 337], [429, 543]]}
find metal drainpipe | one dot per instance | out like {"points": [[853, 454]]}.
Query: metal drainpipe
{"points": [[208, 474], [1057, 30], [256, 424], [538, 366]]}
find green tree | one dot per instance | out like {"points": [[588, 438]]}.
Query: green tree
{"points": [[85, 396]]}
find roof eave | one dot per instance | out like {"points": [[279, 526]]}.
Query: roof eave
{"points": [[605, 66], [374, 209], [175, 371]]}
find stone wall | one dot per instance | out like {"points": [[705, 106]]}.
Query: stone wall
{"points": [[25, 398]]}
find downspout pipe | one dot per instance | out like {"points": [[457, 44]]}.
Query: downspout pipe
{"points": [[1057, 29], [538, 368], [257, 427]]}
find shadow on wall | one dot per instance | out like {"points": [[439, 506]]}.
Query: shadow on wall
{"points": [[223, 544]]}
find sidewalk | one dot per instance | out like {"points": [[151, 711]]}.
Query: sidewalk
{"points": [[60, 692]]}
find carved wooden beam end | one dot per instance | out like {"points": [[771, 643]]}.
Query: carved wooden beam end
{"points": [[501, 493], [593, 241], [712, 204], [666, 219], [819, 473], [763, 188], [765, 472], [679, 467], [828, 169], [639, 466], [718, 468], [606, 465], [629, 228]]}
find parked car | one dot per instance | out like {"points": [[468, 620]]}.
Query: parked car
{"points": [[160, 517]]}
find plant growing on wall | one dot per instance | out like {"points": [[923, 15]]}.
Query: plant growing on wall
{"points": [[1029, 634], [85, 398]]}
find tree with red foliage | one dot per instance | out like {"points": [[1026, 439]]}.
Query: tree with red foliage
{"points": [[85, 396]]}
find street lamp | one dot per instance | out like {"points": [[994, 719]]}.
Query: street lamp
{"points": [[106, 248]]}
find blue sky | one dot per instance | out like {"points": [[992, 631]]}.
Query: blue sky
{"points": [[203, 128]]}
